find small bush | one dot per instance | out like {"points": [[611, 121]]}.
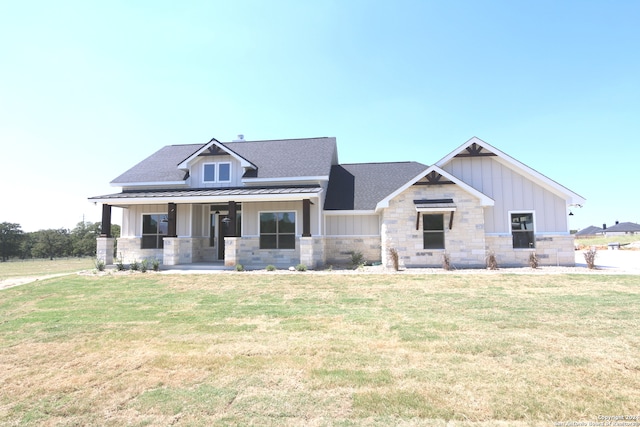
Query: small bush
{"points": [[100, 265], [533, 260], [144, 265], [134, 266], [155, 264], [239, 267], [301, 267], [395, 258], [590, 258], [492, 263], [120, 264], [357, 259], [446, 261], [271, 267]]}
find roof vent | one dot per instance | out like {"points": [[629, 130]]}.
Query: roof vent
{"points": [[240, 138]]}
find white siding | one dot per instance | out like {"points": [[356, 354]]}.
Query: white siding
{"points": [[511, 192], [132, 218], [196, 172], [352, 225]]}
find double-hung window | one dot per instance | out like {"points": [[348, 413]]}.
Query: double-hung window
{"points": [[154, 229], [433, 227], [277, 230], [522, 230], [216, 172]]}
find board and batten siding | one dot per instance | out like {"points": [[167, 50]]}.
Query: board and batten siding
{"points": [[352, 225], [197, 172], [511, 191], [132, 218]]}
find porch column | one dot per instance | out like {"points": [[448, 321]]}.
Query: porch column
{"points": [[306, 218], [232, 217], [172, 216], [106, 221]]}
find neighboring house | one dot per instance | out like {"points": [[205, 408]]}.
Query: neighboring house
{"points": [[285, 202], [622, 228], [590, 231]]}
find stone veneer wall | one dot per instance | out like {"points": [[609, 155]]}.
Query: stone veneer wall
{"points": [[338, 249], [129, 251], [250, 255], [464, 243], [551, 250]]}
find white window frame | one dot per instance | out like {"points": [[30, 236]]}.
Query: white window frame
{"points": [[216, 172], [295, 233], [535, 227]]}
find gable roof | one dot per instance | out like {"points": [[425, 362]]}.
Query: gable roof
{"points": [[290, 159], [484, 199], [589, 231], [360, 186], [624, 227], [483, 148]]}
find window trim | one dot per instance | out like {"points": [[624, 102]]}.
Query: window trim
{"points": [[142, 233], [295, 232], [216, 172], [443, 231], [510, 226]]}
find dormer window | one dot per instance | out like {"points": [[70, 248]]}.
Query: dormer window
{"points": [[216, 172]]}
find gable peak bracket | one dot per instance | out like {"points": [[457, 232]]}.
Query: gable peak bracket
{"points": [[475, 150]]}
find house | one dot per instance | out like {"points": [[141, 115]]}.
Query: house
{"points": [[590, 231], [285, 202], [622, 228]]}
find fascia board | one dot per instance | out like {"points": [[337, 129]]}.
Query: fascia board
{"points": [[350, 212], [285, 179], [146, 184], [243, 162], [517, 166], [384, 203]]}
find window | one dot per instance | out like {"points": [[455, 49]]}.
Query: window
{"points": [[216, 172], [154, 229], [522, 230], [433, 226], [277, 230]]}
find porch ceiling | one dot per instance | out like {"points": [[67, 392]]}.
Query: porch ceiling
{"points": [[206, 195]]}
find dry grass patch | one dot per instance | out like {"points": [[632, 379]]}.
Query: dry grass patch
{"points": [[231, 349]]}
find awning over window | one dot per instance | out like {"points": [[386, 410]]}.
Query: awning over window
{"points": [[435, 205]]}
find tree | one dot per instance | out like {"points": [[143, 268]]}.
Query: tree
{"points": [[83, 238], [10, 236], [52, 243]]}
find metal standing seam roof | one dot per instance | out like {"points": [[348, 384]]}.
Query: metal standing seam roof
{"points": [[210, 192]]}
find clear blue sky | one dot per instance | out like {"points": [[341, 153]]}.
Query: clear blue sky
{"points": [[88, 89]]}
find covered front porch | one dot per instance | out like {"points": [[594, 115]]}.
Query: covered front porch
{"points": [[256, 228]]}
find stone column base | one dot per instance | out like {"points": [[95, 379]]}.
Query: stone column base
{"points": [[104, 249]]}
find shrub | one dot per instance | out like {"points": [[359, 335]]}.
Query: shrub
{"points": [[239, 267], [533, 260], [271, 267], [357, 259], [155, 264], [100, 265], [134, 266], [120, 264], [446, 261], [492, 263], [395, 258], [144, 265], [590, 258], [301, 267]]}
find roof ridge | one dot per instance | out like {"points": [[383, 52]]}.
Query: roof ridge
{"points": [[381, 163], [274, 140]]}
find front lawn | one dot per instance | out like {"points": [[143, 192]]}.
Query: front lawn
{"points": [[319, 349]]}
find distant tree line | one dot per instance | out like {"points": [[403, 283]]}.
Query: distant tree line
{"points": [[51, 243]]}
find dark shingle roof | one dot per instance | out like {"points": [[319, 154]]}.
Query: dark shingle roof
{"points": [[591, 230], [624, 227], [274, 159], [161, 166], [361, 186]]}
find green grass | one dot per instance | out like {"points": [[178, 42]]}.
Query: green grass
{"points": [[40, 267], [291, 349], [605, 240]]}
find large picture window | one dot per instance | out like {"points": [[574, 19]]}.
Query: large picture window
{"points": [[522, 230], [154, 229], [433, 226], [277, 230]]}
